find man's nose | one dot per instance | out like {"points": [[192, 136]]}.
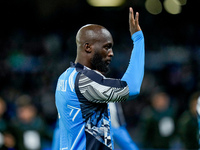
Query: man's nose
{"points": [[110, 53]]}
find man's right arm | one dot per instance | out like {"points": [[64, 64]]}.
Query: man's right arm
{"points": [[98, 89], [135, 71]]}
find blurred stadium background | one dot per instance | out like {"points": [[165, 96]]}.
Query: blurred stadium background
{"points": [[37, 43]]}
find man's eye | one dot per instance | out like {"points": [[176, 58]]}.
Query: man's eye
{"points": [[108, 47]]}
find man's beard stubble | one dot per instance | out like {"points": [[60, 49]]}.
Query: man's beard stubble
{"points": [[99, 65]]}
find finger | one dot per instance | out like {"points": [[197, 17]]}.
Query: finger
{"points": [[131, 15], [137, 18], [137, 21], [131, 10]]}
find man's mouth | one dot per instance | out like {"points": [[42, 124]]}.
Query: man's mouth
{"points": [[108, 62]]}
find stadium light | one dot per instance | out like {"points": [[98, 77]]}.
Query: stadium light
{"points": [[153, 6], [105, 3], [172, 6]]}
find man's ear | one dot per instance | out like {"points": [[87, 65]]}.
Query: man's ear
{"points": [[87, 48]]}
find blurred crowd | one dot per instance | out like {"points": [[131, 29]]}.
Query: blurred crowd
{"points": [[163, 116]]}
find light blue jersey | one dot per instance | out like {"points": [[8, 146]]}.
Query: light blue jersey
{"points": [[82, 97]]}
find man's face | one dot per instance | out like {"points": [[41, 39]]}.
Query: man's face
{"points": [[102, 54]]}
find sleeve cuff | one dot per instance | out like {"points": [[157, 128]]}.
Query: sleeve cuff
{"points": [[137, 35]]}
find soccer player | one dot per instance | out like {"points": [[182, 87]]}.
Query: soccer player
{"points": [[83, 92]]}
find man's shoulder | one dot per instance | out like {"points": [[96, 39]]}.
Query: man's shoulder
{"points": [[95, 76], [92, 74], [67, 72]]}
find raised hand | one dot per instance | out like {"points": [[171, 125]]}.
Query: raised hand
{"points": [[133, 22]]}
